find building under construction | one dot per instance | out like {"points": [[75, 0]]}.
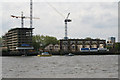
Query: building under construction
{"points": [[18, 40]]}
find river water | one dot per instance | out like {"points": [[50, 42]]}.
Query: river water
{"points": [[89, 66]]}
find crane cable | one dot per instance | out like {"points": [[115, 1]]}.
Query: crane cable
{"points": [[55, 10]]}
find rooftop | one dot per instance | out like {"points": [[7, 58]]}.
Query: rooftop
{"points": [[20, 29]]}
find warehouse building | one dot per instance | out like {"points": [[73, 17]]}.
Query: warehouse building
{"points": [[74, 45], [18, 40]]}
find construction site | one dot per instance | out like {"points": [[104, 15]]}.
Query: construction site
{"points": [[63, 57], [19, 40]]}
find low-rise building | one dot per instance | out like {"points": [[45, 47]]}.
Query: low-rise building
{"points": [[74, 45], [111, 42], [52, 47]]}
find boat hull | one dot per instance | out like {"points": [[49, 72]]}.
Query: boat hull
{"points": [[44, 55]]}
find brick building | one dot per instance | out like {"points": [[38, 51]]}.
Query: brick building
{"points": [[74, 45]]}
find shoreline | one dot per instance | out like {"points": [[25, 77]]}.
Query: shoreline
{"points": [[63, 54]]}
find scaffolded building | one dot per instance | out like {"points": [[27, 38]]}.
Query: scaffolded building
{"points": [[18, 40]]}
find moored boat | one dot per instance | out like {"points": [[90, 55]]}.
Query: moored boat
{"points": [[44, 54]]}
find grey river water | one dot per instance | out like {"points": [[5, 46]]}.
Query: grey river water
{"points": [[94, 66]]}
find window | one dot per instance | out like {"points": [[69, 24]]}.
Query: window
{"points": [[101, 41], [80, 42], [72, 42], [65, 42], [73, 47], [94, 41], [51, 47], [87, 41], [56, 46]]}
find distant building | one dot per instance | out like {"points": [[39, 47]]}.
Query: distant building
{"points": [[52, 47], [74, 45], [111, 40], [18, 40]]}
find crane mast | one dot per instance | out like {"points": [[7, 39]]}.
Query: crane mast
{"points": [[66, 20], [22, 22], [67, 15], [31, 13]]}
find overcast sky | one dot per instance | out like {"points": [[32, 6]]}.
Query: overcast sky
{"points": [[89, 19]]}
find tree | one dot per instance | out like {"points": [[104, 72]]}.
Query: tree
{"points": [[0, 41], [43, 41], [37, 40], [50, 40], [117, 46], [88, 38]]}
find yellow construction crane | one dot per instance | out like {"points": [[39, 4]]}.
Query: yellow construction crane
{"points": [[22, 18]]}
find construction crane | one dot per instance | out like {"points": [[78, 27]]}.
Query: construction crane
{"points": [[31, 11], [66, 20], [22, 18], [55, 9]]}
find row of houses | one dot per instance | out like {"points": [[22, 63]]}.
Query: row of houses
{"points": [[74, 45]]}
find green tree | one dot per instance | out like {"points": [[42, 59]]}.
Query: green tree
{"points": [[36, 40], [109, 47], [0, 41], [88, 38], [50, 40], [43, 41], [117, 46]]}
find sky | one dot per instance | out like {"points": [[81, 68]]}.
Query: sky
{"points": [[89, 19]]}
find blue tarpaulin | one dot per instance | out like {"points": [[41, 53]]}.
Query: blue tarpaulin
{"points": [[84, 48], [25, 45]]}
